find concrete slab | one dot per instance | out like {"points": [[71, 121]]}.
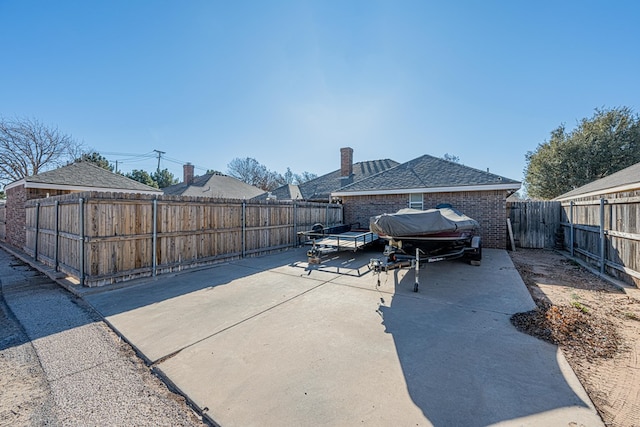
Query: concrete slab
{"points": [[271, 341]]}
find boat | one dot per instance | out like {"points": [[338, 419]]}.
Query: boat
{"points": [[439, 231]]}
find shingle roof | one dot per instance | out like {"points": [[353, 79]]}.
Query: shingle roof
{"points": [[285, 192], [322, 187], [428, 172], [215, 185], [86, 174], [629, 178]]}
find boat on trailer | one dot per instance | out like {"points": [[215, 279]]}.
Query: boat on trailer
{"points": [[430, 235], [439, 230]]}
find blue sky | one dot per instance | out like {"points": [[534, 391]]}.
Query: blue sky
{"points": [[290, 82]]}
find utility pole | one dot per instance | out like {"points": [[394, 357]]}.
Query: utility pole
{"points": [[160, 153]]}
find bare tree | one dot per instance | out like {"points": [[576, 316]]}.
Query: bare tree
{"points": [[252, 172], [28, 147]]}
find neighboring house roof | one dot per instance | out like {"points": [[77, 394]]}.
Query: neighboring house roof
{"points": [[428, 174], [216, 186], [627, 179], [84, 176], [320, 189]]}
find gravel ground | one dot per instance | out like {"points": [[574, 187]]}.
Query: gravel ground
{"points": [[596, 324], [61, 365]]}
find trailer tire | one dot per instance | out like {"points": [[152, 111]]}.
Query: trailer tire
{"points": [[476, 256]]}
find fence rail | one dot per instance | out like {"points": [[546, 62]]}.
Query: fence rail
{"points": [[101, 238]]}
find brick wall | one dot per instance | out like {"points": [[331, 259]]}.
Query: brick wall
{"points": [[16, 220], [16, 214], [489, 208]]}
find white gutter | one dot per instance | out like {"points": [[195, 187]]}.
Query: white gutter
{"points": [[621, 188], [456, 189], [77, 188]]}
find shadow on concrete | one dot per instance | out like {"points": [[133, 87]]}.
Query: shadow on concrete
{"points": [[469, 366]]}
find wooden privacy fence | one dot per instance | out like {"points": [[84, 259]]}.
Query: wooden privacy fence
{"points": [[102, 238], [605, 233], [535, 224]]}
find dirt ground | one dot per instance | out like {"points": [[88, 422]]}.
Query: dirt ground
{"points": [[596, 324]]}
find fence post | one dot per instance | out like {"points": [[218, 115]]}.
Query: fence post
{"points": [[154, 239], [244, 227], [571, 227], [602, 236], [295, 224], [56, 261], [35, 245], [81, 217]]}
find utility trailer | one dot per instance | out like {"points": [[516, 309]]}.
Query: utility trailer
{"points": [[345, 237]]}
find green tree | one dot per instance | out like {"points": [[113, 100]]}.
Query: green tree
{"points": [[164, 178], [97, 159], [599, 146], [2, 195], [143, 177]]}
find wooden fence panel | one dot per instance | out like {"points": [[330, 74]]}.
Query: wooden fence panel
{"points": [[605, 233], [102, 237], [535, 224]]}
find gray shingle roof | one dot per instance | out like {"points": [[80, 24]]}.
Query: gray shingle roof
{"points": [[215, 185], [625, 178], [322, 187], [428, 172], [86, 174]]}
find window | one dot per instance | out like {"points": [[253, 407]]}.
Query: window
{"points": [[415, 201]]}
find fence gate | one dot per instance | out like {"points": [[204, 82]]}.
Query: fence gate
{"points": [[535, 224]]}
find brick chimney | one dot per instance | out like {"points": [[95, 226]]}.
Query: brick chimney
{"points": [[187, 173], [346, 161]]}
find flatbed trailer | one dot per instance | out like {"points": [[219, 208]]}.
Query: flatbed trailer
{"points": [[337, 238]]}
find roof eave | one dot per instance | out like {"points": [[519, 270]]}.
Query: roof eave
{"points": [[455, 189], [75, 188], [618, 189]]}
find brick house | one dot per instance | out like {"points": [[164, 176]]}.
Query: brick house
{"points": [[213, 185], [320, 188], [427, 181], [73, 178]]}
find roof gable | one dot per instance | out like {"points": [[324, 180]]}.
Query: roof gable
{"points": [[627, 179], [84, 176], [321, 188], [428, 172]]}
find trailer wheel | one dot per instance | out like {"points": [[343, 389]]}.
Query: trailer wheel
{"points": [[476, 256]]}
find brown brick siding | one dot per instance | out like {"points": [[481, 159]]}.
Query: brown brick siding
{"points": [[16, 197], [489, 208], [16, 213]]}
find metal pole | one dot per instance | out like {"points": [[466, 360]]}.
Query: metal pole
{"points": [[295, 223], [55, 249], [154, 239], [571, 231], [602, 237], [35, 246], [244, 227], [81, 217], [417, 284]]}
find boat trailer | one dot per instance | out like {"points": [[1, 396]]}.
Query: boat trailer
{"points": [[393, 261]]}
